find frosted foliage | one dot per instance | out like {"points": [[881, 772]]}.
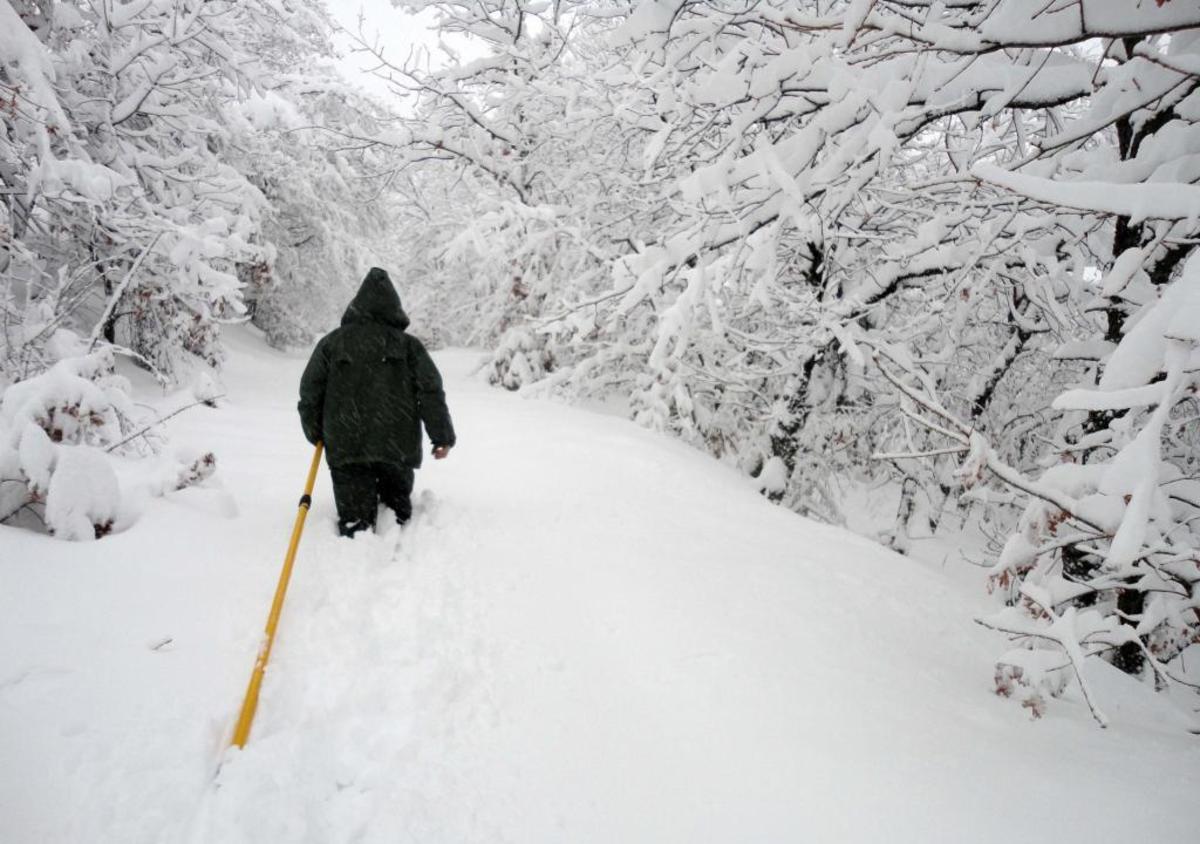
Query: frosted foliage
{"points": [[943, 249]]}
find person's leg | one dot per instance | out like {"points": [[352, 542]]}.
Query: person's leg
{"points": [[356, 498], [395, 489]]}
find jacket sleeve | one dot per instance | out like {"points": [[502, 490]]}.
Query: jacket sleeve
{"points": [[431, 399], [312, 393]]}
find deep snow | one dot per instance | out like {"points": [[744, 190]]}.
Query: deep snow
{"points": [[589, 633]]}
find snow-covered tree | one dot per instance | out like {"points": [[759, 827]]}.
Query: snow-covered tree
{"points": [[329, 215], [851, 242]]}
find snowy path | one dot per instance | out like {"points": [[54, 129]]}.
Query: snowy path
{"points": [[588, 634]]}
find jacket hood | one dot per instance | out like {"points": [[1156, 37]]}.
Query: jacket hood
{"points": [[376, 301]]}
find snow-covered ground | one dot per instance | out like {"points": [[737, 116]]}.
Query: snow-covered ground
{"points": [[589, 633]]}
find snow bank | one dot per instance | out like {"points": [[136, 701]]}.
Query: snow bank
{"points": [[588, 634]]}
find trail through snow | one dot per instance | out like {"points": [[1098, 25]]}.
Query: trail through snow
{"points": [[588, 633]]}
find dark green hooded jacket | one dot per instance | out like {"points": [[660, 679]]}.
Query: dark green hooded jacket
{"points": [[369, 386]]}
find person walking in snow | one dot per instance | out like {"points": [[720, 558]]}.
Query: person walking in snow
{"points": [[367, 390]]}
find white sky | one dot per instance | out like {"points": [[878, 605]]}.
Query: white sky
{"points": [[398, 33]]}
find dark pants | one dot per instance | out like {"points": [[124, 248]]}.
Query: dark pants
{"points": [[360, 487]]}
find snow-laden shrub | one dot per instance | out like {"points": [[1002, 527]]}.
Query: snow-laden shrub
{"points": [[84, 495], [1031, 675], [62, 434], [78, 401], [518, 360], [54, 428]]}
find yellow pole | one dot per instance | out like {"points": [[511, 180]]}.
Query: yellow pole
{"points": [[241, 732]]}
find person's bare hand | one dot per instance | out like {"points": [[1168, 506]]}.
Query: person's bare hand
{"points": [[440, 452]]}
